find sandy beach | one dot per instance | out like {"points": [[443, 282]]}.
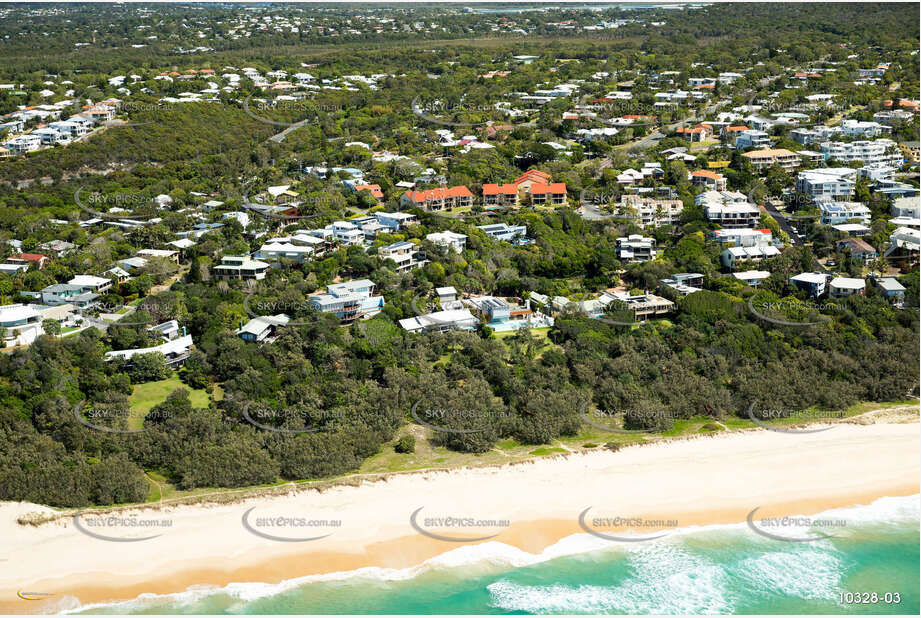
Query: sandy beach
{"points": [[702, 481]]}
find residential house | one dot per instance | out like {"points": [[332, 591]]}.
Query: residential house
{"points": [[453, 240], [21, 324], [641, 306], [90, 283], [405, 254], [261, 328], [281, 194], [636, 248], [875, 151], [276, 250], [839, 287], [752, 278], [175, 351], [684, 283], [712, 181], [441, 321], [858, 249], [446, 295], [812, 283], [500, 314], [906, 207], [32, 259], [169, 330], [374, 190], [240, 267], [515, 234], [891, 289], [118, 274], [66, 294], [693, 134], [396, 221], [349, 301], [59, 248], [164, 254], [630, 176]]}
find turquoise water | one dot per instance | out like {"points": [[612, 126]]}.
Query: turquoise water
{"points": [[721, 569]]}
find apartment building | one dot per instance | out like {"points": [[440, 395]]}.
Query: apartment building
{"points": [[500, 195], [551, 194], [752, 138], [653, 212], [440, 198], [875, 151], [729, 209], [828, 182], [743, 237], [834, 213], [762, 159]]}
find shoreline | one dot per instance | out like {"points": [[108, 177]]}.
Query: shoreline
{"points": [[690, 482]]}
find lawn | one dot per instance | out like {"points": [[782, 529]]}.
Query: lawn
{"points": [[145, 396]]}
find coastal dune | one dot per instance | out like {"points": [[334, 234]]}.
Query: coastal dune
{"points": [[674, 484]]}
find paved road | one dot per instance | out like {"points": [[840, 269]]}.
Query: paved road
{"points": [[592, 212], [782, 221], [280, 137]]}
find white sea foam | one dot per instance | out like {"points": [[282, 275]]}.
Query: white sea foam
{"points": [[667, 579]]}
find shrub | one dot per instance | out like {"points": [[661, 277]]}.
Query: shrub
{"points": [[406, 444]]}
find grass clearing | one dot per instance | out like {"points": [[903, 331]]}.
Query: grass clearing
{"points": [[147, 395]]}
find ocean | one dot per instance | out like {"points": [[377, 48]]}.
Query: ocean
{"points": [[704, 570]]}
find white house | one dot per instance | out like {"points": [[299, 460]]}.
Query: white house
{"points": [[453, 240]]}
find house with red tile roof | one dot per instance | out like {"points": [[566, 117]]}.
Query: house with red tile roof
{"points": [[35, 259], [374, 190], [711, 180], [693, 134], [531, 177], [553, 193], [500, 195], [439, 198]]}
